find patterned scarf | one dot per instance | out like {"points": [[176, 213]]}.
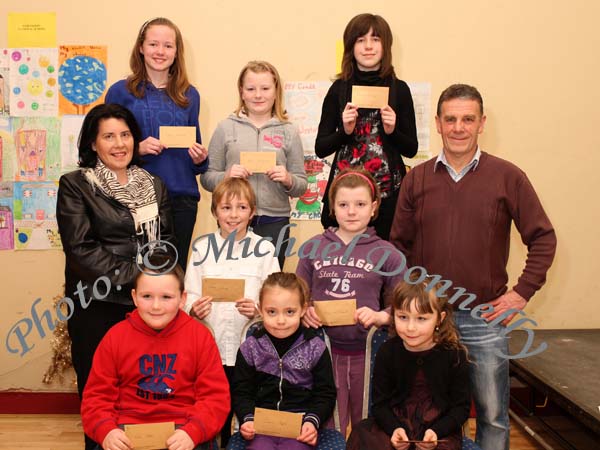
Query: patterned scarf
{"points": [[138, 195]]}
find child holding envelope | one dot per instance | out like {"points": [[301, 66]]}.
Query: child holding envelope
{"points": [[233, 205], [420, 378], [283, 367], [350, 266], [156, 366], [375, 134], [258, 143], [159, 94]]}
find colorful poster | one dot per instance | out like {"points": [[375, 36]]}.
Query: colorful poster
{"points": [[35, 216], [6, 216], [69, 133], [33, 83], [4, 83], [81, 78], [31, 29], [421, 94], [303, 101], [37, 148], [7, 150]]}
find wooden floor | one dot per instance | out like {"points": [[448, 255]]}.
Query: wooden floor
{"points": [[63, 432]]}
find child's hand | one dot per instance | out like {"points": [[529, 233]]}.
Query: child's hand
{"points": [[368, 318], [151, 146], [246, 307], [430, 438], [116, 440], [308, 434], [310, 318], [201, 307], [237, 171], [349, 116], [398, 436], [280, 175], [247, 430], [198, 153], [388, 117], [180, 440]]}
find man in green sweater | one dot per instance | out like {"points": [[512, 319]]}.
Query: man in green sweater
{"points": [[454, 217]]}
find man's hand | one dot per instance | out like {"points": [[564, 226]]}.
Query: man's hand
{"points": [[510, 300]]}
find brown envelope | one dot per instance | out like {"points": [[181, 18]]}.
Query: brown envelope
{"points": [[277, 423], [258, 162], [177, 137], [370, 96], [336, 312], [223, 289], [150, 436]]}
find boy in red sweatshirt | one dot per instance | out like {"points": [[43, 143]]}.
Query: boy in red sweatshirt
{"points": [[157, 365]]}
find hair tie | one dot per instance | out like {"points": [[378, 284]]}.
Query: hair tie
{"points": [[364, 177]]}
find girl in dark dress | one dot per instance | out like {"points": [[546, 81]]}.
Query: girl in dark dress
{"points": [[420, 379]]}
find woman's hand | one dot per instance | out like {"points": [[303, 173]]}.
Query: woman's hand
{"points": [[388, 117], [198, 153], [151, 146], [201, 307], [349, 116], [237, 171], [280, 175], [310, 318]]}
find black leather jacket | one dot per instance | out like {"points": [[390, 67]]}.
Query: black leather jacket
{"points": [[99, 239]]}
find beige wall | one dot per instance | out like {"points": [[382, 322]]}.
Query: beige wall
{"points": [[536, 64]]}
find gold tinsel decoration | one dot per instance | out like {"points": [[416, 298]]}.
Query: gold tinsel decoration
{"points": [[61, 348]]}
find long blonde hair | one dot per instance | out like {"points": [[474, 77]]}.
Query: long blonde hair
{"points": [[278, 109]]}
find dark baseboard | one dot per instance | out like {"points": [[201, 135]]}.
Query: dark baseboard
{"points": [[39, 402]]}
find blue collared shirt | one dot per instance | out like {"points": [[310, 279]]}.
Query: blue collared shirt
{"points": [[458, 176]]}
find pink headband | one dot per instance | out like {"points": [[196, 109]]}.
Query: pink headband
{"points": [[364, 177]]}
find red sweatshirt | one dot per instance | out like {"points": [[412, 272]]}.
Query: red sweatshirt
{"points": [[140, 375]]}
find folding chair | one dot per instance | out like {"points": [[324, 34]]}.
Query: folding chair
{"points": [[327, 439]]}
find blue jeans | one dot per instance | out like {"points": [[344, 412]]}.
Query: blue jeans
{"points": [[489, 379]]}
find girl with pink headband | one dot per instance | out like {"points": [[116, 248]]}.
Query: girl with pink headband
{"points": [[348, 264]]}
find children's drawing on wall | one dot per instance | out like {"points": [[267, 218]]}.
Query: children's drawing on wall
{"points": [[69, 133], [37, 146], [81, 77], [303, 101], [7, 150], [35, 216], [4, 83], [33, 83], [421, 94], [308, 206], [6, 216]]}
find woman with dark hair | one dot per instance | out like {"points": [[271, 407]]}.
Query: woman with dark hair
{"points": [[159, 94], [109, 212], [375, 139]]}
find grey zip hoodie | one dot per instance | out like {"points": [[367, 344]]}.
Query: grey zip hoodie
{"points": [[236, 134]]}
